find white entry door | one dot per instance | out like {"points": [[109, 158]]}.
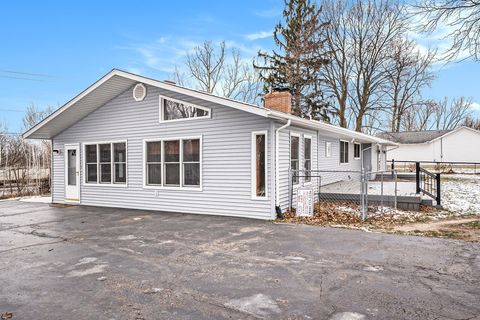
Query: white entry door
{"points": [[72, 173]]}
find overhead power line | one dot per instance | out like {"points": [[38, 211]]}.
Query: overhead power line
{"points": [[27, 73], [19, 78]]}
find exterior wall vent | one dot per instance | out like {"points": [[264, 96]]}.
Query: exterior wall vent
{"points": [[139, 92]]}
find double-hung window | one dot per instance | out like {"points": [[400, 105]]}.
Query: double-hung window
{"points": [[356, 150], [307, 155], [154, 163], [343, 151], [294, 157], [259, 165], [106, 163], [173, 163]]}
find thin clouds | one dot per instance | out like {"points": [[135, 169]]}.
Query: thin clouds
{"points": [[258, 35], [268, 13], [475, 106]]}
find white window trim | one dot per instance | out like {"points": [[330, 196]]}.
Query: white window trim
{"points": [[161, 115], [295, 134], [359, 144], [328, 153], [307, 136], [340, 152], [254, 166], [112, 167], [162, 186]]}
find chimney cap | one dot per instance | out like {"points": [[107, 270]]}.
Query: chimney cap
{"points": [[280, 89]]}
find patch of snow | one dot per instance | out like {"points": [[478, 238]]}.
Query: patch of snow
{"points": [[86, 260], [348, 316], [373, 268], [128, 237], [346, 209], [295, 258], [258, 305], [93, 270], [461, 194], [37, 199]]}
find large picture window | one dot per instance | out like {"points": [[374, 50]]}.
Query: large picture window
{"points": [[259, 164], [171, 110], [173, 163], [307, 155], [106, 163], [343, 151], [294, 157]]}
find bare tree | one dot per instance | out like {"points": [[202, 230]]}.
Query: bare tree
{"points": [[337, 73], [462, 17], [450, 115], [35, 115], [418, 117], [373, 26], [407, 74], [472, 123], [206, 64], [438, 115], [360, 36], [214, 69]]}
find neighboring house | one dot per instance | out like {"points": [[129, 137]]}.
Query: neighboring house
{"points": [[134, 142], [458, 145]]}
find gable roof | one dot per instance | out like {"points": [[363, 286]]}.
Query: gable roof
{"points": [[414, 137], [117, 81]]}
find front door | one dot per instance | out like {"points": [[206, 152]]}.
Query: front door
{"points": [[72, 173]]}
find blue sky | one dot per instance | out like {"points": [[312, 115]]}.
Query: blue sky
{"points": [[67, 45]]}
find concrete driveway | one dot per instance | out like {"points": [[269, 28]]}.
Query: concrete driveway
{"points": [[103, 263]]}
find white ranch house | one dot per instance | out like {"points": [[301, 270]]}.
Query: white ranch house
{"points": [[133, 142], [458, 145]]}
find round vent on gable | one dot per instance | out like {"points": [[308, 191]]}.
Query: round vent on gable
{"points": [[139, 92]]}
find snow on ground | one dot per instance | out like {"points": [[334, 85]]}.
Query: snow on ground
{"points": [[461, 193], [38, 199]]}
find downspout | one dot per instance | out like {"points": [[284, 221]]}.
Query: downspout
{"points": [[277, 166]]}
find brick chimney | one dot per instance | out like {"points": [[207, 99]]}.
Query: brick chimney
{"points": [[279, 99]]}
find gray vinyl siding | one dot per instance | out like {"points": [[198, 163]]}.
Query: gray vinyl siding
{"points": [[320, 162], [284, 161], [226, 157]]}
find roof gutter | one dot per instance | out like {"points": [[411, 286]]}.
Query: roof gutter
{"points": [[277, 167]]}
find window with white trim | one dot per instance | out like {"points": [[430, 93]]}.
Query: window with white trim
{"points": [[343, 151], [175, 110], [106, 163], [173, 163], [154, 163], [307, 157], [119, 163], [356, 150], [259, 164], [328, 149], [294, 157], [191, 162]]}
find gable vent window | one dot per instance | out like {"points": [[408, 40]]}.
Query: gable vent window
{"points": [[139, 92], [175, 110]]}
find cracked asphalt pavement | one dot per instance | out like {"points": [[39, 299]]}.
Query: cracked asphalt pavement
{"points": [[102, 263]]}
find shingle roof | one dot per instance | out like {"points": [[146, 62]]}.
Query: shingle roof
{"points": [[411, 137]]}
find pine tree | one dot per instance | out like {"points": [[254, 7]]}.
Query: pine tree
{"points": [[300, 39]]}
